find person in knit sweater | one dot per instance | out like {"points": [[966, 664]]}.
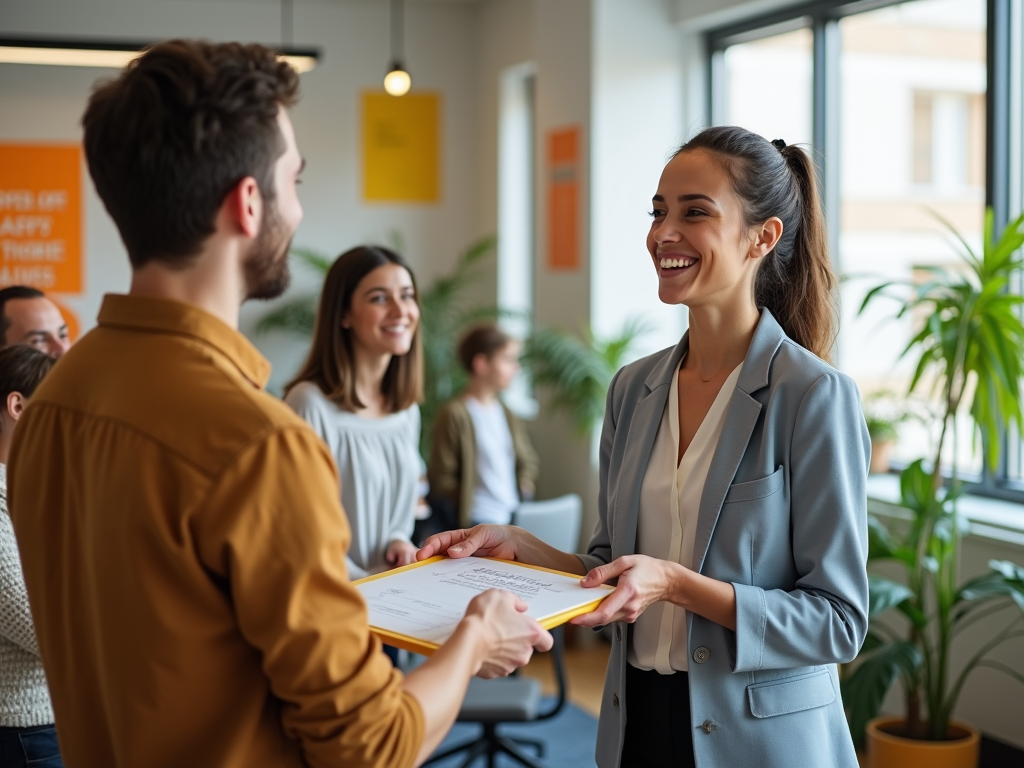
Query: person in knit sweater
{"points": [[27, 732]]}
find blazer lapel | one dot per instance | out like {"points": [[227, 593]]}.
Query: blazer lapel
{"points": [[643, 429], [740, 420]]}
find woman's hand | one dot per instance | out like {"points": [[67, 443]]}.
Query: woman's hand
{"points": [[483, 541], [400, 553], [642, 580]]}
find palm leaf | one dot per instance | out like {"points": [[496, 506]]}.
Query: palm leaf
{"points": [[577, 371], [864, 690]]}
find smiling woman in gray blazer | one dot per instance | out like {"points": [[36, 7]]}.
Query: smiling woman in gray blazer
{"points": [[732, 507]]}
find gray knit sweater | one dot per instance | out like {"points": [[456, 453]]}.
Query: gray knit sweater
{"points": [[24, 697]]}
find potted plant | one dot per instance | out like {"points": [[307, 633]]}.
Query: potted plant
{"points": [[883, 414], [972, 339]]}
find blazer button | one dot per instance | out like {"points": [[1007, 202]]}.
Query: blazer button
{"points": [[708, 726], [615, 699], [701, 654]]}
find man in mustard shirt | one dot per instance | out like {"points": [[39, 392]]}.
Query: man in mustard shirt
{"points": [[180, 529]]}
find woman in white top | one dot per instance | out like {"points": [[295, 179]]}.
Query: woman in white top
{"points": [[359, 389], [732, 507], [27, 732]]}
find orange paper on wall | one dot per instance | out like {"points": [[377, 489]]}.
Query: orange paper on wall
{"points": [[41, 217], [564, 198]]}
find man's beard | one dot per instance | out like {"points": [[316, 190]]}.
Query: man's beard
{"points": [[266, 268]]}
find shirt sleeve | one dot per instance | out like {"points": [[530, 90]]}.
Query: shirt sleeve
{"points": [[823, 619], [444, 469], [599, 551], [15, 616], [277, 533], [305, 399]]}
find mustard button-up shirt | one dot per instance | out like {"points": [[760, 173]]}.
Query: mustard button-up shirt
{"points": [[184, 550]]}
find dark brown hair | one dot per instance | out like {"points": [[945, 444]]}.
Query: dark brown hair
{"points": [[10, 293], [331, 361], [21, 369], [795, 281], [486, 340], [180, 127]]}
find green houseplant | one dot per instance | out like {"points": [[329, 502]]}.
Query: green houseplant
{"points": [[971, 340], [576, 371]]}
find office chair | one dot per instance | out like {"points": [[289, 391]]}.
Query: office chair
{"points": [[492, 703], [553, 521]]}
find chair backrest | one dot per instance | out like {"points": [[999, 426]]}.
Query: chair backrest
{"points": [[556, 521]]}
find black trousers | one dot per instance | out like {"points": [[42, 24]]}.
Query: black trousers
{"points": [[658, 729]]}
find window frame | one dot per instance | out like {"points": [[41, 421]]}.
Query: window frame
{"points": [[1004, 133]]}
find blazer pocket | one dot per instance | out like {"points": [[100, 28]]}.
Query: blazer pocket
{"points": [[791, 694], [756, 489]]}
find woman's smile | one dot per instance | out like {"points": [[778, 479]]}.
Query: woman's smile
{"points": [[674, 265]]}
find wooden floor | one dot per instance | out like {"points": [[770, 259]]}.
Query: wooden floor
{"points": [[585, 668]]}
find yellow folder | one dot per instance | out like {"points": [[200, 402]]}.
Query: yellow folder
{"points": [[426, 648]]}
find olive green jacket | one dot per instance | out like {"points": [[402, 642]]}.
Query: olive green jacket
{"points": [[452, 467]]}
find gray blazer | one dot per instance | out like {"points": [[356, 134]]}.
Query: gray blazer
{"points": [[783, 517]]}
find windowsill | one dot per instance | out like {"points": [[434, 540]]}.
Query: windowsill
{"points": [[990, 518]]}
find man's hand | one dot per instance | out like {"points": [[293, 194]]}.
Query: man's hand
{"points": [[642, 580], [507, 636], [400, 553], [499, 541]]}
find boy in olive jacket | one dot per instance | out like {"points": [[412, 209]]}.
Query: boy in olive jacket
{"points": [[482, 464]]}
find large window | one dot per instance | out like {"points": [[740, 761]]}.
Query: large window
{"points": [[516, 161], [740, 95], [895, 101]]}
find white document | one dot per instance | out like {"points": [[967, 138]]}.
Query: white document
{"points": [[428, 602]]}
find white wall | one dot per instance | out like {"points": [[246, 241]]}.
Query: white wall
{"points": [[637, 118], [45, 103], [554, 36]]}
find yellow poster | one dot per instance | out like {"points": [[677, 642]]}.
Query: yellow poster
{"points": [[41, 217], [401, 136]]}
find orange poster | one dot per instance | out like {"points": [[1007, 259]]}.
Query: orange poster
{"points": [[41, 217], [564, 198]]}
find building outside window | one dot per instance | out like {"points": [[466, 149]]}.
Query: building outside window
{"points": [[901, 143]]}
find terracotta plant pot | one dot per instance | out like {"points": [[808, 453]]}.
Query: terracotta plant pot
{"points": [[881, 450], [887, 751]]}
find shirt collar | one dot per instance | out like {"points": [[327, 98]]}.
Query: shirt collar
{"points": [[160, 315]]}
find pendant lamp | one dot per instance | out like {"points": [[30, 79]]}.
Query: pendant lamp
{"points": [[397, 81]]}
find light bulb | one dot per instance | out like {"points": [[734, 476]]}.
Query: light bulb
{"points": [[397, 82]]}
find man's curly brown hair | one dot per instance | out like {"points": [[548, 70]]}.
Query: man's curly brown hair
{"points": [[168, 139]]}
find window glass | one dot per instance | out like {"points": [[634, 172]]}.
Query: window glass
{"points": [[741, 97], [912, 145]]}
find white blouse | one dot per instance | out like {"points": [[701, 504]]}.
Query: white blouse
{"points": [[379, 468], [669, 502]]}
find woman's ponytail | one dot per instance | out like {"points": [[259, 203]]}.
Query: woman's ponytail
{"points": [[807, 306], [795, 282]]}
